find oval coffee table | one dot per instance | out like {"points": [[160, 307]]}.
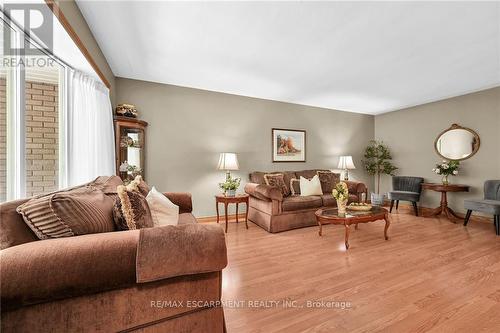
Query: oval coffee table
{"points": [[331, 216]]}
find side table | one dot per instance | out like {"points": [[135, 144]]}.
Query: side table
{"points": [[240, 198], [443, 207]]}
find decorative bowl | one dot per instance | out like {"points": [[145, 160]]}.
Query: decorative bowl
{"points": [[362, 208]]}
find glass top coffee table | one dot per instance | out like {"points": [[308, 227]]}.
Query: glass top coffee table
{"points": [[332, 216]]}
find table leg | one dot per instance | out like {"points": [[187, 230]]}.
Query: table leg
{"points": [[387, 225], [225, 213], [347, 230], [217, 209], [237, 212], [246, 215], [320, 228]]}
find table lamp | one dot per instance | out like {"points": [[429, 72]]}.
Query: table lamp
{"points": [[228, 162], [346, 164]]}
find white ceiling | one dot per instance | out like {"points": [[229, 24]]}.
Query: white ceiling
{"points": [[367, 57]]}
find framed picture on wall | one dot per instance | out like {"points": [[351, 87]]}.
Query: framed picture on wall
{"points": [[289, 145]]}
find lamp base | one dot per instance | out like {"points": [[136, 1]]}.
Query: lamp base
{"points": [[346, 174]]}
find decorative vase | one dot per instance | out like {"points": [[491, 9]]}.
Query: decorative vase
{"points": [[230, 193], [445, 180], [341, 206], [377, 199]]}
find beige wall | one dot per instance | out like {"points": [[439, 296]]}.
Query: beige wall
{"points": [[188, 128], [410, 133], [77, 21]]}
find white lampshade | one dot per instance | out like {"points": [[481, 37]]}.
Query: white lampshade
{"points": [[228, 161], [345, 162]]}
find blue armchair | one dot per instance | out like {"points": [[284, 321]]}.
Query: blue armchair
{"points": [[490, 204], [406, 189]]}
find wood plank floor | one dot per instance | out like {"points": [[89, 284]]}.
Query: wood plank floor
{"points": [[430, 276]]}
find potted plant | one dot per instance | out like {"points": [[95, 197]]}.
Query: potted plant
{"points": [[447, 168], [377, 162], [341, 194], [230, 186]]}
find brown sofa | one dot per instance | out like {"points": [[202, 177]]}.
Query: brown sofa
{"points": [[139, 280], [275, 213]]}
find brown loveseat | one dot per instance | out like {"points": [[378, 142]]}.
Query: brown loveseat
{"points": [[164, 279], [269, 209]]}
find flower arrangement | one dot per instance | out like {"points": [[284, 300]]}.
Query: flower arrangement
{"points": [[230, 185], [447, 168], [341, 194]]}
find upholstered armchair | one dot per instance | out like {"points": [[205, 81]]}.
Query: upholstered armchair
{"points": [[490, 204], [406, 189]]}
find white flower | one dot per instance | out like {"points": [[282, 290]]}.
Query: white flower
{"points": [[445, 166], [438, 171], [455, 172]]}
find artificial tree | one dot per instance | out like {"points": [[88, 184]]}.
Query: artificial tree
{"points": [[377, 161]]}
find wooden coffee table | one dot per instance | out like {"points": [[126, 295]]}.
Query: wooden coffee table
{"points": [[331, 216]]}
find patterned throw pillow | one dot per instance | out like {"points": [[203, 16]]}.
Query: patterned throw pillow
{"points": [[295, 186], [131, 210], [277, 180], [80, 210], [328, 180]]}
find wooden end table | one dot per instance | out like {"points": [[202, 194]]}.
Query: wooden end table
{"points": [[331, 216], [443, 208], [240, 198]]}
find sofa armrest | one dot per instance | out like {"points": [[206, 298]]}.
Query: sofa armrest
{"points": [[356, 188], [263, 192], [170, 251], [47, 270], [181, 199]]}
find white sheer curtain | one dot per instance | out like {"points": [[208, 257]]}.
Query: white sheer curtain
{"points": [[89, 130]]}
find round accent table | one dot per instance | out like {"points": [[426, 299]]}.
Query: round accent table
{"points": [[331, 216], [240, 198], [443, 208]]}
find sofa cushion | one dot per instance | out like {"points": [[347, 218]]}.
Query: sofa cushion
{"points": [[76, 212], [187, 218], [14, 230], [277, 180], [298, 202], [131, 210], [329, 200], [295, 186], [163, 211], [328, 180], [310, 187], [258, 177], [404, 195], [485, 206]]}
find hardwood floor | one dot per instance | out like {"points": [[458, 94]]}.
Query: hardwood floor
{"points": [[430, 276]]}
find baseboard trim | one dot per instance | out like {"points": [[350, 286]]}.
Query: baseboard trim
{"points": [[230, 218], [403, 208]]}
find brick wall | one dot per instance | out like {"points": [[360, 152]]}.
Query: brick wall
{"points": [[41, 138]]}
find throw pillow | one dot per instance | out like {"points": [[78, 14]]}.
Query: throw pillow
{"points": [[163, 211], [75, 211], [142, 186], [310, 187], [295, 186], [131, 210], [277, 180], [328, 181]]}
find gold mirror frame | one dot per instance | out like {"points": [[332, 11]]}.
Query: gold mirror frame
{"points": [[455, 127]]}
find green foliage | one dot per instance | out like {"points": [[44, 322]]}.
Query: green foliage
{"points": [[378, 161], [230, 184]]}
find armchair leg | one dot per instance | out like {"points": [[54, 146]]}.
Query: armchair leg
{"points": [[392, 205], [415, 207], [467, 217], [397, 204], [497, 224]]}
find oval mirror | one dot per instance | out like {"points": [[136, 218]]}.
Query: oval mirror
{"points": [[457, 143]]}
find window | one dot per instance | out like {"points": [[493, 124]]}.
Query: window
{"points": [[30, 113]]}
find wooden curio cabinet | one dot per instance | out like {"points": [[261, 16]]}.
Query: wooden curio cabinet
{"points": [[130, 143]]}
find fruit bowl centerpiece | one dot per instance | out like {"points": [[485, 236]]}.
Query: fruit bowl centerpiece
{"points": [[359, 206]]}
